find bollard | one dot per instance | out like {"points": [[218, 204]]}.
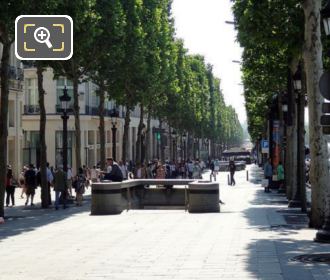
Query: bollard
{"points": [[247, 175], [228, 178]]}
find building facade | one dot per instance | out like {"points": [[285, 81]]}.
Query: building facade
{"points": [[15, 108], [89, 122]]}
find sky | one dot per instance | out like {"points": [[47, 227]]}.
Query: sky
{"points": [[201, 23]]}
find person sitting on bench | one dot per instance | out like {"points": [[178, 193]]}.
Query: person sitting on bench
{"points": [[115, 174]]}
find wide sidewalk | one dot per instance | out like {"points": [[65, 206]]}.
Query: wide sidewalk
{"points": [[254, 237]]}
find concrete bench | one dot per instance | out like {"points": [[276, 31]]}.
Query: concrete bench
{"points": [[114, 197]]}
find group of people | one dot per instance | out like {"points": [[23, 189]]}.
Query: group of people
{"points": [[62, 183], [271, 172], [153, 169]]}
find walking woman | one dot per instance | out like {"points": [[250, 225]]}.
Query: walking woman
{"points": [[10, 188]]}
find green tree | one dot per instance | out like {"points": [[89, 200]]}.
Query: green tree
{"points": [[85, 52]]}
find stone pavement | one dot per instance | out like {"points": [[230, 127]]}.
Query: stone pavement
{"points": [[249, 239]]}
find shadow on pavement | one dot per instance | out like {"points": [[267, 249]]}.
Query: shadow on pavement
{"points": [[271, 256], [22, 219]]}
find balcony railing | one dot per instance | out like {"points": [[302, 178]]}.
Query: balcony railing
{"points": [[94, 111], [31, 109]]}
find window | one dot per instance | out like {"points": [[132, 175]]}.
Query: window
{"points": [[31, 92]]}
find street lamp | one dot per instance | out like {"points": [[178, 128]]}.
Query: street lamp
{"points": [[173, 134], [184, 138], [297, 85], [323, 234], [114, 114], [65, 99], [297, 79]]}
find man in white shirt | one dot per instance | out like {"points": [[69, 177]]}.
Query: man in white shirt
{"points": [[69, 180], [50, 179], [123, 169]]}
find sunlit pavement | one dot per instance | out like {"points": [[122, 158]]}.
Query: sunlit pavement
{"points": [[249, 239]]}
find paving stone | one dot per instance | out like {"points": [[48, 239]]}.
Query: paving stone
{"points": [[237, 243]]}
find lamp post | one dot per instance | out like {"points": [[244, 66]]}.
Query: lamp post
{"points": [[297, 199], [184, 139], [173, 134], [114, 115], [323, 234], [65, 99]]}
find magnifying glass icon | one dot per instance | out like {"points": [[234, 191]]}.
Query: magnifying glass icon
{"points": [[41, 35]]}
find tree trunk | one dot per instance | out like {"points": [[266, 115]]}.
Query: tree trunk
{"points": [[76, 110], [138, 158], [319, 173], [125, 135], [148, 137], [42, 139], [4, 76], [102, 127]]}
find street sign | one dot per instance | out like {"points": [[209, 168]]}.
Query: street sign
{"points": [[326, 108], [326, 130], [324, 85], [264, 146], [325, 120]]}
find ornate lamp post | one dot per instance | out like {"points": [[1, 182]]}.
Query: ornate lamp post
{"points": [[114, 116], [323, 234], [65, 99], [173, 134], [296, 201], [206, 141], [184, 139]]}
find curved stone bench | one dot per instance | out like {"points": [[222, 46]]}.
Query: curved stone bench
{"points": [[203, 197]]}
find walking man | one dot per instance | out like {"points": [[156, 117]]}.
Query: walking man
{"points": [[60, 186], [30, 183], [232, 170]]}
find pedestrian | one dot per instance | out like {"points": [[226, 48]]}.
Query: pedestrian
{"points": [[190, 167], [69, 181], [30, 183], [50, 179], [10, 188], [21, 181], [232, 170], [212, 171], [80, 186], [60, 186], [280, 175], [197, 170], [268, 173], [160, 171], [115, 174], [123, 169]]}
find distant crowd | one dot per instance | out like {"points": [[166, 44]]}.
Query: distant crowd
{"points": [[68, 185]]}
